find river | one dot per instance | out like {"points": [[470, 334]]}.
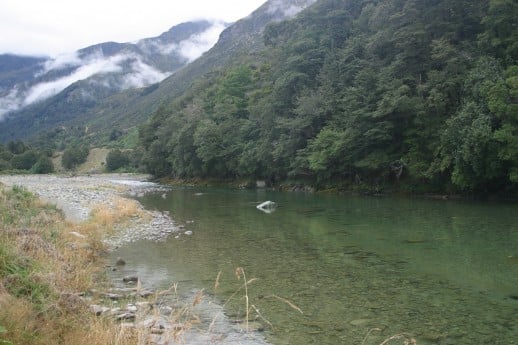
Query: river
{"points": [[329, 269]]}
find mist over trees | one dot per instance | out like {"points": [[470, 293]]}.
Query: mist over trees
{"points": [[417, 95]]}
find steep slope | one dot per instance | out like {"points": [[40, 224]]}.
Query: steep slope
{"points": [[402, 94], [128, 109], [14, 70], [47, 92]]}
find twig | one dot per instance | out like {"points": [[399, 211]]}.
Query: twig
{"points": [[369, 333], [408, 340], [287, 302]]}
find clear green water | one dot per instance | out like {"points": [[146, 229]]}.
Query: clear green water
{"points": [[445, 272]]}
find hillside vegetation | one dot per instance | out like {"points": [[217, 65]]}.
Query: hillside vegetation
{"points": [[412, 95]]}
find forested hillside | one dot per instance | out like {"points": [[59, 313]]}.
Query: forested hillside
{"points": [[44, 97], [408, 94]]}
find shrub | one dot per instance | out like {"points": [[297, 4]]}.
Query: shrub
{"points": [[25, 161], [43, 166], [117, 159], [4, 165], [74, 156]]}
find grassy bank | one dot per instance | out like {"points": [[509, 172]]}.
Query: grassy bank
{"points": [[46, 265]]}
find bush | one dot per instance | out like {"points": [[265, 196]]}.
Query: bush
{"points": [[4, 165], [117, 159], [43, 166], [25, 161], [74, 156]]}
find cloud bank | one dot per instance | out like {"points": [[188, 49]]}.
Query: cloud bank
{"points": [[196, 45], [288, 10], [126, 69], [138, 74]]}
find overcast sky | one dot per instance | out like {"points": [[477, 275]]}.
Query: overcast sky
{"points": [[51, 27]]}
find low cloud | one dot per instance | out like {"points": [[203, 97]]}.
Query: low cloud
{"points": [[10, 102], [142, 75], [45, 90], [193, 47], [288, 10], [136, 72], [190, 48], [62, 61]]}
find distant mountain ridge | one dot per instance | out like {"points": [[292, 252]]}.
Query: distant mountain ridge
{"points": [[104, 110], [107, 67]]}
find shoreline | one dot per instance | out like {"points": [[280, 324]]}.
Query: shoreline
{"points": [[145, 311], [78, 197]]}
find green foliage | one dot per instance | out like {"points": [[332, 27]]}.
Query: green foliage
{"points": [[3, 330], [25, 161], [44, 165], [383, 92], [18, 279], [17, 147], [25, 158], [117, 159], [74, 156]]}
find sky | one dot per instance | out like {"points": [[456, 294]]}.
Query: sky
{"points": [[53, 27]]}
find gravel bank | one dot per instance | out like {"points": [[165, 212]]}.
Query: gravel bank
{"points": [[77, 196]]}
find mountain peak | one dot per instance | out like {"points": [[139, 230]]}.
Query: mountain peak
{"points": [[109, 67]]}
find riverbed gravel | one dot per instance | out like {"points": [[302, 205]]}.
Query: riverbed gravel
{"points": [[78, 196]]}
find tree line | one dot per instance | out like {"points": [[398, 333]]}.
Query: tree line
{"points": [[407, 94]]}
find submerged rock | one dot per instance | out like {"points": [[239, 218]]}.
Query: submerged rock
{"points": [[130, 279], [267, 206], [360, 322]]}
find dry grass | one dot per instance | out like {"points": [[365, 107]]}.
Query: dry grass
{"points": [[120, 209], [45, 265]]}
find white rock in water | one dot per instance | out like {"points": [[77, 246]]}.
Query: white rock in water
{"points": [[188, 232], [267, 206]]}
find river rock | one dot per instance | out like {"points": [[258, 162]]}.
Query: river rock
{"points": [[360, 322], [253, 326], [131, 308], [146, 293], [112, 296], [98, 310], [130, 279], [125, 316]]}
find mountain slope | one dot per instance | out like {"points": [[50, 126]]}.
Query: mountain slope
{"points": [[403, 94], [47, 92], [127, 109]]}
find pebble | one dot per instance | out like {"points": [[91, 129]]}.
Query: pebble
{"points": [[77, 196], [360, 322], [130, 279]]}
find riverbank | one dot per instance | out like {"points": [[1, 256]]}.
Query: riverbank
{"points": [[79, 197], [53, 268]]}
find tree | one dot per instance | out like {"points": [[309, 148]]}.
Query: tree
{"points": [[117, 159], [74, 156], [25, 161], [44, 165]]}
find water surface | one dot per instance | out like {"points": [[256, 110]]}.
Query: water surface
{"points": [[445, 272]]}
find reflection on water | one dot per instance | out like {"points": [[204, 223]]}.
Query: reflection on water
{"points": [[445, 272]]}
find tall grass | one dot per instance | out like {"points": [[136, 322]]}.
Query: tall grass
{"points": [[44, 269]]}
